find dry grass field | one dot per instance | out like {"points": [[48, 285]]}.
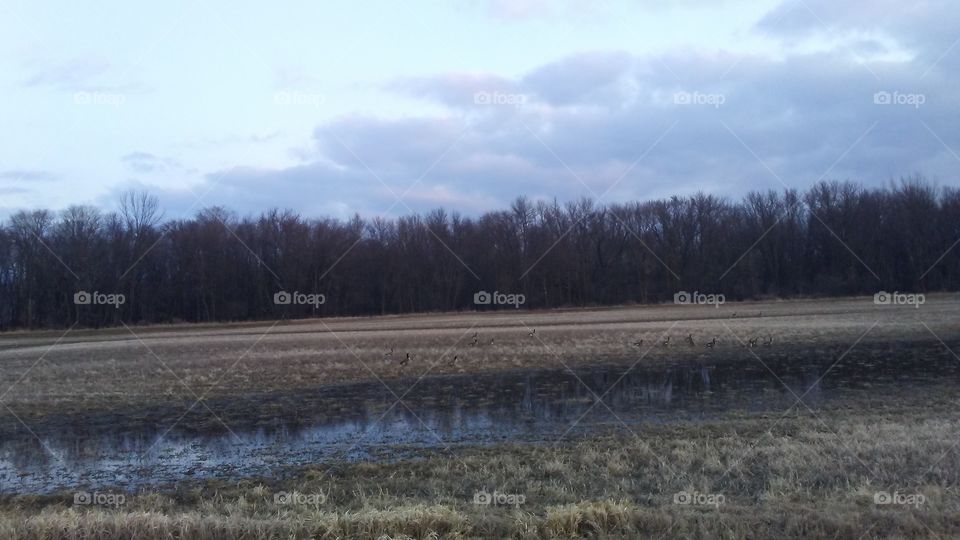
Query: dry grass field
{"points": [[795, 476], [83, 369], [802, 472]]}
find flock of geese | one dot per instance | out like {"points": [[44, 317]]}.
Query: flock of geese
{"points": [[752, 342], [456, 358], [475, 342]]}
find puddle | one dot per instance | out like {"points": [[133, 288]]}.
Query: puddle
{"points": [[362, 421]]}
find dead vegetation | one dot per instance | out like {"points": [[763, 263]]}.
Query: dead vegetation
{"points": [[792, 474], [796, 476], [158, 365]]}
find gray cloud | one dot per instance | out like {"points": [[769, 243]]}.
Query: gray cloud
{"points": [[925, 29], [82, 74], [456, 90], [145, 163], [588, 77], [69, 75], [643, 126], [27, 175]]}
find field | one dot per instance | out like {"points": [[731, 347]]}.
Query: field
{"points": [[840, 421]]}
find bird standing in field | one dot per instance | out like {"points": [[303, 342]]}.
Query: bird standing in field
{"points": [[752, 343], [666, 342], [768, 341], [638, 343], [532, 332], [405, 360], [453, 362], [711, 344], [690, 340]]}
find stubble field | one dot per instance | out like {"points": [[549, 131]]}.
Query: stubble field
{"points": [[840, 422]]}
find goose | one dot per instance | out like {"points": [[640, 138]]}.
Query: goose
{"points": [[710, 344], [453, 362], [532, 332], [690, 340], [666, 342], [405, 360], [752, 342], [638, 343], [768, 341]]}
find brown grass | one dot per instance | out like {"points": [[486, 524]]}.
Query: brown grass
{"points": [[796, 476], [793, 475], [158, 365]]}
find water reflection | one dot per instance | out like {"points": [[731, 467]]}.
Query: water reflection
{"points": [[437, 412]]}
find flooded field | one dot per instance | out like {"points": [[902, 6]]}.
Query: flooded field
{"points": [[792, 412], [261, 434]]}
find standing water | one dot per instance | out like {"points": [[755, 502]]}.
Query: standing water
{"points": [[366, 421]]}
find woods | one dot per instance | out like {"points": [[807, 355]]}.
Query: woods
{"points": [[834, 239]]}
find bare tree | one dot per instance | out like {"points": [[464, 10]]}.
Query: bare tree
{"points": [[836, 238]]}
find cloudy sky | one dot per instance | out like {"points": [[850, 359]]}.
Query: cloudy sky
{"points": [[390, 107]]}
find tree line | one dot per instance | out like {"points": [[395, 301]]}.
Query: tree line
{"points": [[836, 238]]}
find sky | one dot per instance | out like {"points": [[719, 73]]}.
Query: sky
{"points": [[387, 108]]}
